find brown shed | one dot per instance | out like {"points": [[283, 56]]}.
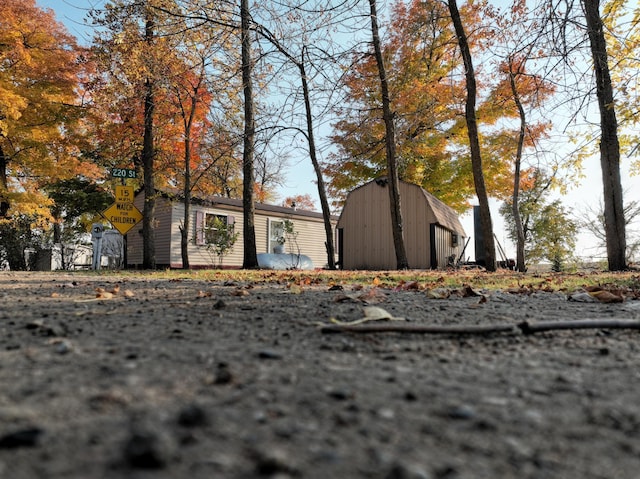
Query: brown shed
{"points": [[432, 230]]}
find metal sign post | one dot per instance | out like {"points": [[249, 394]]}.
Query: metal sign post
{"points": [[97, 230]]}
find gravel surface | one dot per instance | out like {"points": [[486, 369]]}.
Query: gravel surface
{"points": [[207, 379]]}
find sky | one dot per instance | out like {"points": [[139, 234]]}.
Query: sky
{"points": [[300, 178]]}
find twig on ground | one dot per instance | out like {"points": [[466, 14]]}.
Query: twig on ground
{"points": [[525, 327], [419, 329], [536, 327]]}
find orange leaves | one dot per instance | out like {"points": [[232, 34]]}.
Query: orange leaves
{"points": [[607, 295], [39, 80], [102, 293]]}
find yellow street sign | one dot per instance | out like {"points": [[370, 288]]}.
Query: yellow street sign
{"points": [[123, 216], [124, 194]]}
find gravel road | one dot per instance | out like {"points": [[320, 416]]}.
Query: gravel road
{"points": [[153, 378]]}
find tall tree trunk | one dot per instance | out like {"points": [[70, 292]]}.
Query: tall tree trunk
{"points": [[520, 258], [390, 144], [322, 191], [250, 259], [609, 144], [148, 156], [474, 142], [186, 221], [4, 185]]}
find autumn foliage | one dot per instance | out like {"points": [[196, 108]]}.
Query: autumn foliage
{"points": [[41, 111]]}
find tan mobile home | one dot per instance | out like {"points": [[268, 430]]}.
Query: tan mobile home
{"points": [[432, 230], [169, 216]]}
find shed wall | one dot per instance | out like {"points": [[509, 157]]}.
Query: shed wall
{"points": [[367, 238], [443, 246]]}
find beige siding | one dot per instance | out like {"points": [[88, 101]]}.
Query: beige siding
{"points": [[366, 227], [169, 218], [200, 255], [416, 217], [445, 247], [310, 238], [366, 223], [163, 221]]}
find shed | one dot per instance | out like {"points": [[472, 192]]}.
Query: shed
{"points": [[432, 230], [269, 222]]}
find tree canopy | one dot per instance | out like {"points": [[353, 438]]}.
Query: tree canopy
{"points": [[160, 89]]}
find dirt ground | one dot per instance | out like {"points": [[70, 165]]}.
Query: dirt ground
{"points": [[211, 379]]}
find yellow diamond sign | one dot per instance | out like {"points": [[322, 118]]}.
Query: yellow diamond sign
{"points": [[123, 216]]}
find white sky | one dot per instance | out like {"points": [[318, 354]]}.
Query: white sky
{"points": [[301, 177]]}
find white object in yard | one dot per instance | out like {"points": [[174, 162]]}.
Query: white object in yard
{"points": [[284, 261]]}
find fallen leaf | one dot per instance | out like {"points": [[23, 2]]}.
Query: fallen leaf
{"points": [[239, 292], [581, 297], [438, 293], [605, 296], [371, 313], [408, 286], [341, 298], [375, 313], [374, 295], [467, 291]]}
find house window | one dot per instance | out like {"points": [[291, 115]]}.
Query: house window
{"points": [[276, 235], [208, 226]]}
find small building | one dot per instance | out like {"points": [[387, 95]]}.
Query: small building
{"points": [[432, 230], [269, 224]]}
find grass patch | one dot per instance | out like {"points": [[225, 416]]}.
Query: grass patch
{"points": [[500, 280]]}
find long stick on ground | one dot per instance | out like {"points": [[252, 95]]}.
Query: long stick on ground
{"points": [[537, 327], [525, 327], [419, 328]]}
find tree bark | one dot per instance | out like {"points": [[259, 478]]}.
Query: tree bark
{"points": [[322, 191], [4, 185], [148, 156], [186, 221], [390, 144], [250, 259], [520, 255], [474, 142], [609, 144]]}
